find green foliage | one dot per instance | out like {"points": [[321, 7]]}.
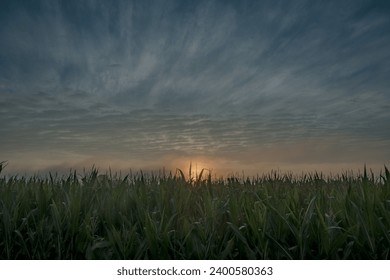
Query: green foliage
{"points": [[144, 216]]}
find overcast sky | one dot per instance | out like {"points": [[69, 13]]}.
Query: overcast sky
{"points": [[228, 85]]}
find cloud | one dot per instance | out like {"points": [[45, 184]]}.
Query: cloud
{"points": [[212, 79]]}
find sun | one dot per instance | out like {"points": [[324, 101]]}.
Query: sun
{"points": [[193, 167]]}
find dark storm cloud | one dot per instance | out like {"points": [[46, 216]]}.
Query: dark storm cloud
{"points": [[148, 78]]}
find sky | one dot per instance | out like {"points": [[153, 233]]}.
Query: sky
{"points": [[232, 86]]}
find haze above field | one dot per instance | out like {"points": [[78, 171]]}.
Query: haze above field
{"points": [[228, 85]]}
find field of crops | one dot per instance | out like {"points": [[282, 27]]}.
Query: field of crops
{"points": [[173, 216]]}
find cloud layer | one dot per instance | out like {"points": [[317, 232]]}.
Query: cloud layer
{"points": [[143, 83]]}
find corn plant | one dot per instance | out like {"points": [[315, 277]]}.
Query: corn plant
{"points": [[148, 216]]}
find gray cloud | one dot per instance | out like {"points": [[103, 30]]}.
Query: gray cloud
{"points": [[219, 79]]}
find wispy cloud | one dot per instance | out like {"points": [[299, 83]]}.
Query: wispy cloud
{"points": [[223, 79]]}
